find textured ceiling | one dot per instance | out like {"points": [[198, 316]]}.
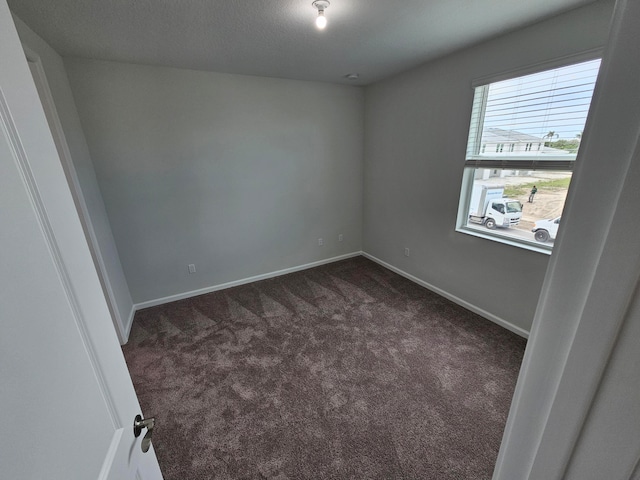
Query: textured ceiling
{"points": [[277, 38]]}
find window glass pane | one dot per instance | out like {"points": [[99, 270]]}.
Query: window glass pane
{"points": [[534, 116], [521, 205], [549, 108]]}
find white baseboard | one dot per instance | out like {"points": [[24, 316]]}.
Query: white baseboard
{"points": [[235, 283], [127, 327], [463, 303], [193, 293]]}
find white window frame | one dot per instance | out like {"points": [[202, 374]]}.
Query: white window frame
{"points": [[474, 160]]}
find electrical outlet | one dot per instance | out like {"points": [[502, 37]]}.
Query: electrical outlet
{"points": [[340, 237], [192, 268], [320, 242], [406, 252]]}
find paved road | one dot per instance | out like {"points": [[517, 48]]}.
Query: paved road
{"points": [[526, 235], [513, 232]]}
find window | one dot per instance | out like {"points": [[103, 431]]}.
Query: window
{"points": [[514, 195]]}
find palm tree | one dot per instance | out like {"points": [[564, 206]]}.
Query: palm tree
{"points": [[552, 134]]}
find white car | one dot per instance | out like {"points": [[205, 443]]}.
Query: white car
{"points": [[545, 230]]}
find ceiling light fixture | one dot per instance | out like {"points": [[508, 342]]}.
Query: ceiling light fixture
{"points": [[321, 20]]}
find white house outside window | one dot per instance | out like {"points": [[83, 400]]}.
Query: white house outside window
{"points": [[523, 140]]}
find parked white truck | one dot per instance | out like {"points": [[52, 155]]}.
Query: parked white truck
{"points": [[545, 230], [488, 207]]}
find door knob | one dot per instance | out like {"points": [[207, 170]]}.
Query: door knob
{"points": [[138, 424]]}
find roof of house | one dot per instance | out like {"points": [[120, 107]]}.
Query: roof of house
{"points": [[501, 135]]}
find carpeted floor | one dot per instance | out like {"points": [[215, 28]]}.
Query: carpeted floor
{"points": [[345, 371]]}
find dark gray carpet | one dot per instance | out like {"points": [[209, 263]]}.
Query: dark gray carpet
{"points": [[342, 371]]}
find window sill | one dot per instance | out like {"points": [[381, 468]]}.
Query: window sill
{"points": [[501, 236]]}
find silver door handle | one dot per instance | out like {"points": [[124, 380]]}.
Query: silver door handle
{"points": [[138, 424]]}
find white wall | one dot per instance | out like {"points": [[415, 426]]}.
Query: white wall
{"points": [[416, 126], [575, 412], [238, 175], [105, 255], [611, 429]]}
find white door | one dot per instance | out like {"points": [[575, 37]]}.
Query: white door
{"points": [[67, 404]]}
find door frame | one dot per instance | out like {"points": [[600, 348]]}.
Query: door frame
{"points": [[60, 140]]}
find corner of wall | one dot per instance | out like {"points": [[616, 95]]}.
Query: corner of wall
{"points": [[126, 329], [455, 299]]}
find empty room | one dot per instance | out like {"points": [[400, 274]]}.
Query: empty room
{"points": [[319, 239]]}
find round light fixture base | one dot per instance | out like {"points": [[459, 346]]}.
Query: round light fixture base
{"points": [[320, 5]]}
